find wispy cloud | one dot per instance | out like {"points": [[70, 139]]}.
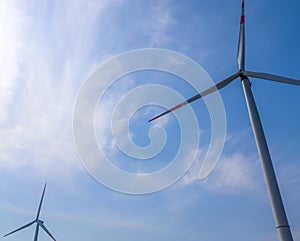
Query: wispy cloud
{"points": [[234, 172], [161, 21], [46, 51], [10, 46], [42, 69]]}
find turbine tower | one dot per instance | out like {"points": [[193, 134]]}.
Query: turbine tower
{"points": [[39, 223], [280, 217]]}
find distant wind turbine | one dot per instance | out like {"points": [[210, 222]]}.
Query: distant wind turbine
{"points": [[280, 217], [39, 223]]}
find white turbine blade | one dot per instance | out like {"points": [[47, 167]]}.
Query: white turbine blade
{"points": [[25, 226], [272, 77], [36, 234], [40, 205], [241, 47], [47, 231], [208, 91]]}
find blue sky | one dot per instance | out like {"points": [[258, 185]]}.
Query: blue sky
{"points": [[48, 48]]}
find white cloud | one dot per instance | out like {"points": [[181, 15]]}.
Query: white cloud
{"points": [[41, 70], [161, 21], [11, 20], [47, 50], [236, 172]]}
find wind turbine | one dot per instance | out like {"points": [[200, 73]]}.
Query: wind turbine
{"points": [[280, 217], [39, 223]]}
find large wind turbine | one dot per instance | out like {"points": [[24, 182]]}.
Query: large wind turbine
{"points": [[39, 223], [280, 217]]}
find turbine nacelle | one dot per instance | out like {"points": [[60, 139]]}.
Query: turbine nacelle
{"points": [[40, 222]]}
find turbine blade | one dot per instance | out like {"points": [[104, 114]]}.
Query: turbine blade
{"points": [[272, 77], [40, 205], [208, 91], [241, 46], [36, 234], [47, 231], [25, 226]]}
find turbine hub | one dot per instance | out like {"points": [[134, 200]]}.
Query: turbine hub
{"points": [[241, 74]]}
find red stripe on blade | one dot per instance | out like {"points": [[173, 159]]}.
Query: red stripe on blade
{"points": [[242, 19], [176, 107]]}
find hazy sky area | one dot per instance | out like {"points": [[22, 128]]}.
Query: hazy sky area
{"points": [[49, 48]]}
